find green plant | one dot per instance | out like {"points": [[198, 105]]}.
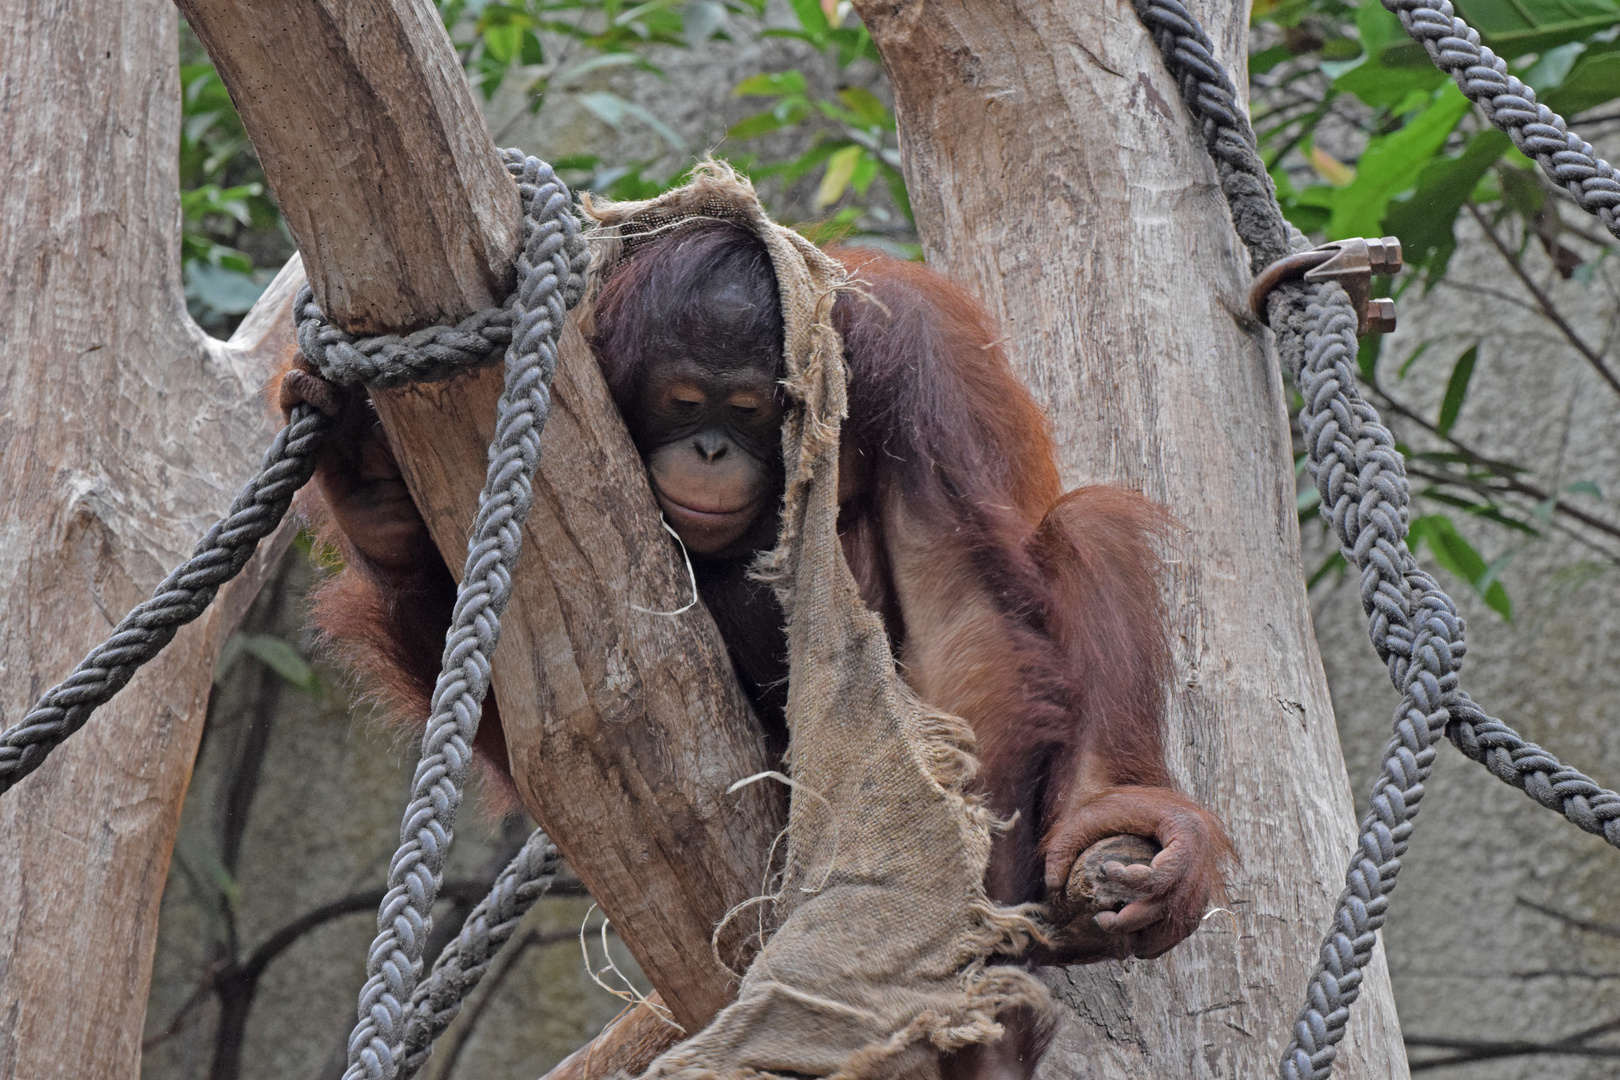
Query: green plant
{"points": [[1365, 137], [851, 135], [548, 48], [232, 238]]}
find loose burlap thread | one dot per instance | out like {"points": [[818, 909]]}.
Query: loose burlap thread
{"points": [[883, 933]]}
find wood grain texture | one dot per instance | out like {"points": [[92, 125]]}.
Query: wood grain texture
{"points": [[624, 729], [124, 433], [375, 151], [625, 1048], [1055, 173]]}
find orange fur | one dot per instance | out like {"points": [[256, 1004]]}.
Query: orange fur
{"points": [[1036, 615], [384, 621]]}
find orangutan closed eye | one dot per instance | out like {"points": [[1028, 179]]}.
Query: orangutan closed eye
{"points": [[1033, 614]]}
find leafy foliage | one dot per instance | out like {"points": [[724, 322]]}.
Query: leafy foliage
{"points": [[550, 49], [232, 239], [850, 136], [1365, 137]]}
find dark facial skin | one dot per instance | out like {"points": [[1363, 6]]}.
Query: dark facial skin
{"points": [[711, 439]]}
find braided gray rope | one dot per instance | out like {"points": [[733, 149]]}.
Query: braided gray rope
{"points": [[1417, 632], [391, 1039], [435, 353], [179, 598], [1361, 476], [1536, 130], [1208, 93], [550, 278], [437, 998]]}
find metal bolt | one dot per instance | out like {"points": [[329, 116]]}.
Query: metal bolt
{"points": [[1384, 255], [1381, 316]]}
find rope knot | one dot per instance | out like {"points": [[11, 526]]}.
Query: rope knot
{"points": [[551, 266]]}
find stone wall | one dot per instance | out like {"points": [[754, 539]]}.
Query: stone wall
{"points": [[1469, 957]]}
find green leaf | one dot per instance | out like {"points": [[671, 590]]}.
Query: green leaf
{"points": [[840, 170], [226, 287], [895, 181], [1266, 59], [1584, 487], [613, 110], [1488, 511], [504, 42], [811, 17], [1513, 28], [284, 660], [1521, 190], [866, 170], [1489, 588], [1367, 356], [774, 82], [1392, 164], [1593, 81], [867, 107], [752, 126], [1457, 557], [1308, 210], [1425, 221], [1552, 66], [1388, 71], [596, 63], [532, 53], [1456, 389], [1410, 360], [641, 12], [1333, 563], [702, 20]]}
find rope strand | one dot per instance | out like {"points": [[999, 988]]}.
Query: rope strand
{"points": [[1413, 624], [550, 279], [182, 596]]}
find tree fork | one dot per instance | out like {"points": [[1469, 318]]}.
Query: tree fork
{"points": [[625, 729], [1054, 172]]}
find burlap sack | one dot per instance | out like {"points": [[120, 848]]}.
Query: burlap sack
{"points": [[882, 925]]}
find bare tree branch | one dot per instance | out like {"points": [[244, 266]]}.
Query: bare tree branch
{"points": [[1607, 929], [1491, 1049], [1548, 310]]}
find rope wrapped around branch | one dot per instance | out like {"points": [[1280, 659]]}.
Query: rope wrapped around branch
{"points": [[389, 1035], [182, 596], [398, 1019], [1413, 624]]}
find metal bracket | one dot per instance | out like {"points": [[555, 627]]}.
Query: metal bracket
{"points": [[1352, 263]]}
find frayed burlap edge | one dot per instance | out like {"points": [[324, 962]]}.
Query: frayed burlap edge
{"points": [[883, 930]]}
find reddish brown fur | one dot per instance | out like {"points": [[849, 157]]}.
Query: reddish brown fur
{"points": [[1035, 615], [1069, 652], [385, 624]]}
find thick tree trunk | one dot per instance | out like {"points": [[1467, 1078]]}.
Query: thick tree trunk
{"points": [[124, 433], [1054, 171], [625, 728]]}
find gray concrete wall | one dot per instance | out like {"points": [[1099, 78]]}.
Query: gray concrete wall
{"points": [[1468, 958]]}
